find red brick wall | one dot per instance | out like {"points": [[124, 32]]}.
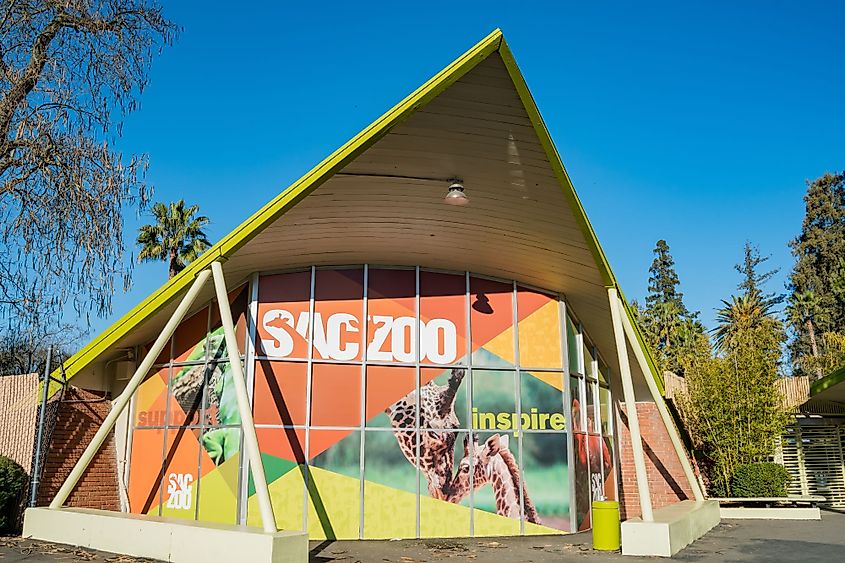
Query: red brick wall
{"points": [[80, 415], [666, 481]]}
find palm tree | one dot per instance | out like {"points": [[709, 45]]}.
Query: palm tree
{"points": [[800, 311], [741, 313], [176, 237]]}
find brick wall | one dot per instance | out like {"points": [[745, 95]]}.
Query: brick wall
{"points": [[666, 481], [80, 415]]}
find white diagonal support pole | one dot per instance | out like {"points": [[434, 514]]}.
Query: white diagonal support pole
{"points": [[268, 519], [120, 403], [661, 405], [630, 406]]}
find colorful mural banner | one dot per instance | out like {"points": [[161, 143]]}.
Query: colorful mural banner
{"points": [[373, 421]]}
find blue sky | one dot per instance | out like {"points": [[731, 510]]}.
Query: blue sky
{"points": [[697, 122]]}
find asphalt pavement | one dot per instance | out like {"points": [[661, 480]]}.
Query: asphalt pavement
{"points": [[732, 541]]}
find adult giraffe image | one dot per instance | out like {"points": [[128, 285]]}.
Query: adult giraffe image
{"points": [[437, 424]]}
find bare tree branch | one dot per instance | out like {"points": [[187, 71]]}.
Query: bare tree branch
{"points": [[70, 71]]}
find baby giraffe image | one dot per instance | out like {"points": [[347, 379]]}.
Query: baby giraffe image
{"points": [[492, 463]]}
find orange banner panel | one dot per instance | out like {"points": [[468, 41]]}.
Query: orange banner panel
{"points": [[145, 475], [321, 440], [386, 385], [336, 395], [286, 443], [151, 400], [280, 389], [539, 329]]}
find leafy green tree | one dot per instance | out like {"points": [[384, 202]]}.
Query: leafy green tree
{"points": [[731, 408], [831, 357], [817, 282], [828, 350], [177, 236], [691, 341]]}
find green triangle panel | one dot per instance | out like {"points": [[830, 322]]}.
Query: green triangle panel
{"points": [[274, 467]]}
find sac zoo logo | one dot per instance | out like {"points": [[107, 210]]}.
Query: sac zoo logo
{"points": [[179, 491], [393, 339]]}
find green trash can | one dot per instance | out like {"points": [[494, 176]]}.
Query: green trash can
{"points": [[606, 531]]}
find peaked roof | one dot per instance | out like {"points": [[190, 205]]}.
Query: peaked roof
{"points": [[226, 248]]}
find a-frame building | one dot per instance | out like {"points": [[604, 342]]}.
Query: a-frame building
{"points": [[432, 340]]}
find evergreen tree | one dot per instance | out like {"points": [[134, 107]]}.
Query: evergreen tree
{"points": [[671, 331], [751, 307], [817, 283], [663, 280], [752, 279]]}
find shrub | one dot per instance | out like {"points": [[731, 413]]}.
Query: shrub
{"points": [[760, 480], [718, 489], [13, 481]]}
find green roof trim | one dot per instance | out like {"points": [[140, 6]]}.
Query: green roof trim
{"points": [[828, 381], [300, 189]]}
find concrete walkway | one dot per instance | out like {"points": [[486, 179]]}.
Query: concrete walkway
{"points": [[733, 540]]}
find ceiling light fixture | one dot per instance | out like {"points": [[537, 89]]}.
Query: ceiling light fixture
{"points": [[456, 195]]}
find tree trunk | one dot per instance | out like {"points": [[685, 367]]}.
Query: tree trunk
{"points": [[174, 265], [811, 332]]}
